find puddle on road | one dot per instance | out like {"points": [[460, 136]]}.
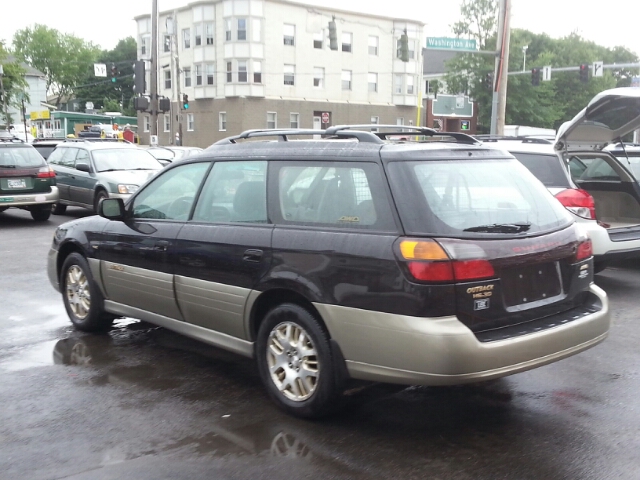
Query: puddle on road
{"points": [[30, 356]]}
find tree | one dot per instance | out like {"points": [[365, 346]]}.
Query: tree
{"points": [[13, 82], [64, 59], [98, 90]]}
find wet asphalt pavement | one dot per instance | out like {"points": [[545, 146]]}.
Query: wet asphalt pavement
{"points": [[144, 403]]}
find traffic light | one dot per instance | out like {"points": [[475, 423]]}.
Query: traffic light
{"points": [[403, 47], [114, 72], [164, 104], [535, 76], [138, 77], [185, 101], [584, 73], [488, 81], [141, 103], [333, 35]]}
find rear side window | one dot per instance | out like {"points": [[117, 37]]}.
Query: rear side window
{"points": [[340, 195], [547, 168], [467, 198]]}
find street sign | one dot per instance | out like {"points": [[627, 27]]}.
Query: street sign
{"points": [[100, 69], [460, 101], [546, 73], [325, 117], [596, 69], [457, 44]]}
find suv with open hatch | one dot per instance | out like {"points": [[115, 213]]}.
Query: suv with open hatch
{"points": [[26, 181], [431, 261]]}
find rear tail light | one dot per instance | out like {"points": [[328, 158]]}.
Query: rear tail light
{"points": [[579, 202], [427, 261], [46, 172], [585, 250]]}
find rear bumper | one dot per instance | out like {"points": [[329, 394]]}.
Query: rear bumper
{"points": [[31, 199], [605, 249], [443, 351]]}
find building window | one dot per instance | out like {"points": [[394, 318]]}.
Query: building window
{"points": [[411, 45], [257, 29], [272, 119], [294, 120], [211, 73], [400, 121], [167, 122], [397, 84], [187, 77], [147, 123], [289, 34], [166, 43], [347, 38], [375, 121], [190, 122], [198, 74], [243, 76], [222, 121], [242, 29], [167, 79], [289, 75], [257, 72], [373, 82], [227, 30], [197, 35], [409, 85], [229, 72], [373, 45], [346, 79], [318, 77], [318, 39], [208, 31], [144, 45], [186, 38]]}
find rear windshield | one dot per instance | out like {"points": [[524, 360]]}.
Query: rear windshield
{"points": [[471, 198], [547, 168], [124, 159], [632, 163], [20, 157]]}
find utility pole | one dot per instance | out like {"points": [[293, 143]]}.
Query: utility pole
{"points": [[175, 61], [498, 103], [4, 99], [153, 88]]}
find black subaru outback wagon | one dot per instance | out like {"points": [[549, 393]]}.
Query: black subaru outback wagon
{"points": [[432, 261]]}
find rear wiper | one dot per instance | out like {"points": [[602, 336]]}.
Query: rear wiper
{"points": [[110, 170], [7, 166], [500, 228]]}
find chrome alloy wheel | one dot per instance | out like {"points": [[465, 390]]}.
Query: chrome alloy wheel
{"points": [[293, 361], [77, 291]]}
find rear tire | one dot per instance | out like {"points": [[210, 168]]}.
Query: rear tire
{"points": [[59, 209], [82, 298], [99, 196], [41, 214], [295, 362]]}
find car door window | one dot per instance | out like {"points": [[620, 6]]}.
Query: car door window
{"points": [[234, 192], [68, 157], [55, 156], [82, 157], [599, 170], [171, 195]]}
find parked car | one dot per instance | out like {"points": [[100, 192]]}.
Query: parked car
{"points": [[348, 257], [168, 154], [88, 171], [599, 187], [26, 181], [45, 146]]}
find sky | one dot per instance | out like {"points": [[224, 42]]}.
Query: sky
{"points": [[106, 22]]}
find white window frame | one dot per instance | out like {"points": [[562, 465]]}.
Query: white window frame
{"points": [[289, 72], [144, 45], [227, 30], [374, 44], [197, 35], [166, 43], [289, 34], [257, 71], [186, 38], [146, 123], [275, 119], [318, 77], [198, 74], [210, 74], [229, 72], [166, 122], [397, 84], [400, 121], [318, 40], [209, 33], [294, 118], [243, 71], [410, 85], [346, 77], [190, 122], [347, 42], [239, 30], [222, 121], [167, 79], [375, 120], [186, 74], [372, 79]]}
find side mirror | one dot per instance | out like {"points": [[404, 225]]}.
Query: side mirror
{"points": [[111, 208], [83, 167]]}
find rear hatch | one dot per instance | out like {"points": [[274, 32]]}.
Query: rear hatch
{"points": [[23, 171], [479, 221]]}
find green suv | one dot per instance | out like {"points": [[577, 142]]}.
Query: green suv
{"points": [[26, 181]]}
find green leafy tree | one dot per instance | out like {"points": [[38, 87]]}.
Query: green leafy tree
{"points": [[64, 59], [14, 83]]}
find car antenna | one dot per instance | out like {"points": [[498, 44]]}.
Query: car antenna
{"points": [[624, 150]]}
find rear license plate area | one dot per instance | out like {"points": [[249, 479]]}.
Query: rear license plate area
{"points": [[16, 183], [530, 283]]}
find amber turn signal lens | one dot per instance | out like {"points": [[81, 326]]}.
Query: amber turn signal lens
{"points": [[422, 250]]}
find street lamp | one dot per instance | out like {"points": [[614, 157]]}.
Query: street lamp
{"points": [[524, 57]]}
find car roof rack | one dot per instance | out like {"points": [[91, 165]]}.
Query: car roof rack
{"points": [[353, 131], [522, 138], [6, 139], [99, 140]]}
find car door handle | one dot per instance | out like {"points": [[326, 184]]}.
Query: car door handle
{"points": [[161, 245], [252, 255]]}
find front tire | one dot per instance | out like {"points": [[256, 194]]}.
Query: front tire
{"points": [[99, 196], [41, 214], [295, 362], [82, 298]]}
